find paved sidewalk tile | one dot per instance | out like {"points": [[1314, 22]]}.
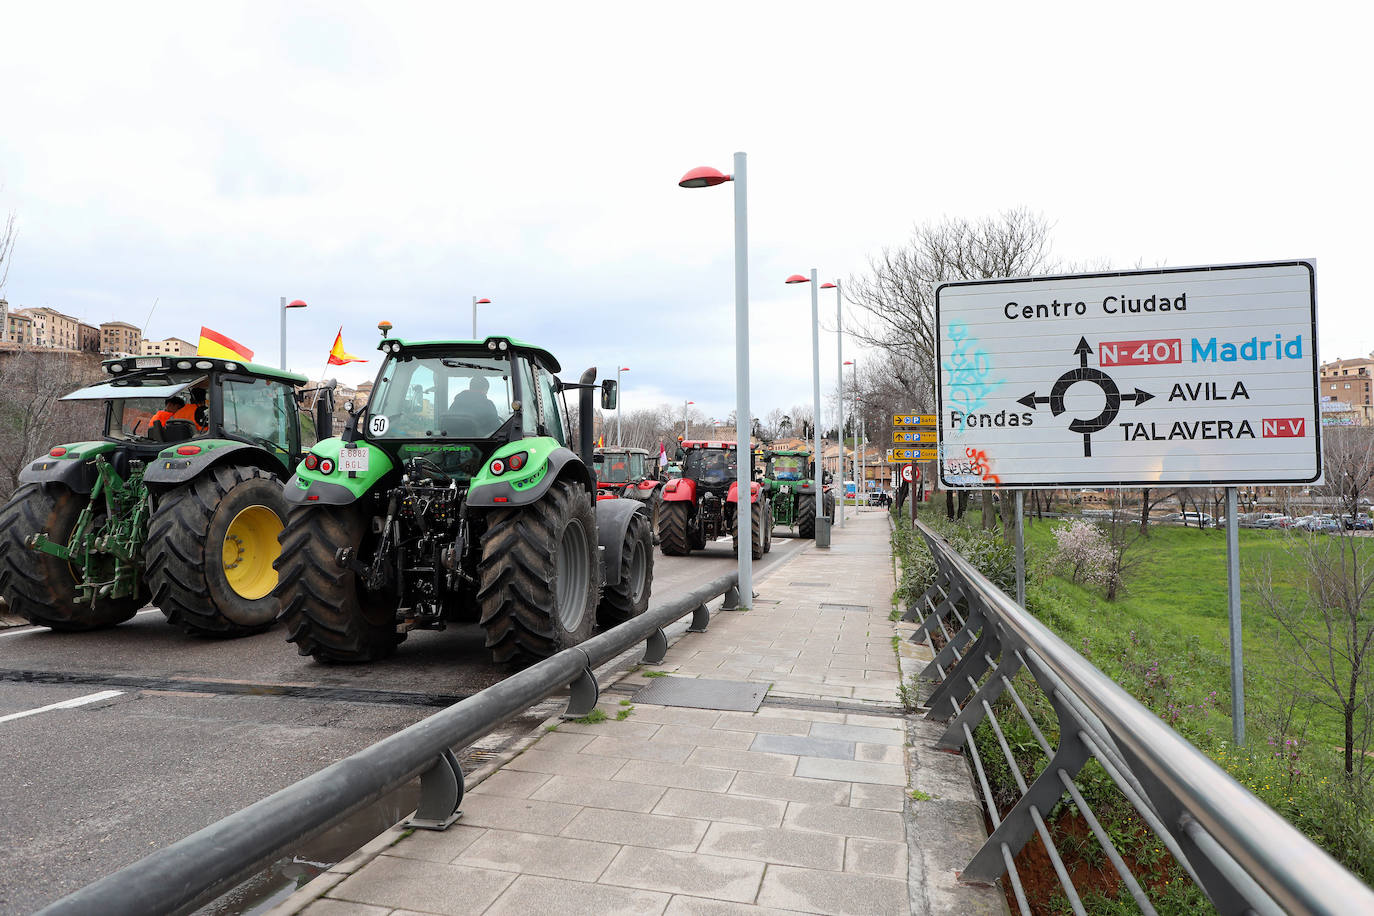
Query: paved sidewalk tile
{"points": [[749, 761], [696, 736], [520, 814], [439, 846], [685, 873], [449, 890], [791, 788], [544, 895], [860, 822], [599, 793], [713, 806], [776, 845], [874, 857], [832, 892], [630, 828], [647, 772], [327, 907], [558, 764], [681, 905], [512, 783], [639, 749], [857, 733], [804, 746], [852, 771], [532, 854]]}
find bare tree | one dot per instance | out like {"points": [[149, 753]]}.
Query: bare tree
{"points": [[32, 419], [8, 233], [1348, 457]]}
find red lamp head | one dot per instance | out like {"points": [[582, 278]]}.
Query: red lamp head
{"points": [[484, 302], [704, 176], [828, 286], [798, 278], [296, 304]]}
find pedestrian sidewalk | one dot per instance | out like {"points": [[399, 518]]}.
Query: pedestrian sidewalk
{"points": [[828, 799]]}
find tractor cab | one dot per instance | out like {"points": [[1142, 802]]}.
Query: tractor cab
{"points": [[711, 464], [619, 471]]}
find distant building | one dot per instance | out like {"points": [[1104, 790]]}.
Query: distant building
{"points": [[19, 329], [54, 330], [4, 320], [119, 338], [172, 346], [88, 337], [1346, 387]]}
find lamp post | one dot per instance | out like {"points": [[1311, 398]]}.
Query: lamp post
{"points": [[618, 408], [839, 372], [706, 177], [822, 522], [293, 304], [856, 420], [684, 417], [476, 302]]}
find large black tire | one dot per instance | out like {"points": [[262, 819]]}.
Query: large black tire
{"points": [[806, 516], [828, 507], [655, 506], [211, 548], [328, 613], [757, 515], [768, 529], [672, 529], [38, 586], [540, 576], [630, 596]]}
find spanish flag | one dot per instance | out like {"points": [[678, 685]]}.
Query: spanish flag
{"points": [[215, 344], [337, 355]]}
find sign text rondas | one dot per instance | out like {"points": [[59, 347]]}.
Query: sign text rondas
{"points": [[1189, 376]]}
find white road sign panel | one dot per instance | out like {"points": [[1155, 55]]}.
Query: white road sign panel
{"points": [[1196, 376]]}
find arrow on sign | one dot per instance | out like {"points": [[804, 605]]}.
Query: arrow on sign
{"points": [[1085, 373]]}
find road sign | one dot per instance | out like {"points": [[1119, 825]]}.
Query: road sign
{"points": [[920, 419], [897, 455], [1191, 376], [910, 473], [912, 435]]}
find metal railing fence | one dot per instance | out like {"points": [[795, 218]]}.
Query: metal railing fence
{"points": [[1242, 854], [195, 870]]}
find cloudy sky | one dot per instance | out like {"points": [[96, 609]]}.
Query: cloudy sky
{"points": [[391, 161]]}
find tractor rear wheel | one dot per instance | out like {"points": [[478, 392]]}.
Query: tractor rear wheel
{"points": [[757, 517], [211, 545], [829, 506], [630, 596], [329, 614], [672, 529], [540, 576], [768, 528], [38, 586], [806, 516]]}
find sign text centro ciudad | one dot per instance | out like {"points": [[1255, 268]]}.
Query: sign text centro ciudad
{"points": [[1191, 376]]}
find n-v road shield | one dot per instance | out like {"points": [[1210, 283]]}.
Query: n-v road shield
{"points": [[1190, 376]]}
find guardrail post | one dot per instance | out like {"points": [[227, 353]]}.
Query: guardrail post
{"points": [[701, 619], [1008, 664], [584, 692], [655, 647], [957, 683], [731, 602], [950, 651], [441, 792]]}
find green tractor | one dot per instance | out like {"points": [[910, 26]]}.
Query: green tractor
{"points": [[455, 496], [790, 476], [181, 510]]}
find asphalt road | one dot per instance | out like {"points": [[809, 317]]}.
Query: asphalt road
{"points": [[176, 732]]}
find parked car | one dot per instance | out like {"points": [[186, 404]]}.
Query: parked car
{"points": [[1197, 519], [1357, 522]]}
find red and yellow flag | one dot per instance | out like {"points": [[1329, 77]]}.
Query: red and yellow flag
{"points": [[337, 355], [215, 344]]}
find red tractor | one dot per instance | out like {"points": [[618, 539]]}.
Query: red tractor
{"points": [[702, 504], [628, 473]]}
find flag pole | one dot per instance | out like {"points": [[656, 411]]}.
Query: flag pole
{"points": [[323, 371]]}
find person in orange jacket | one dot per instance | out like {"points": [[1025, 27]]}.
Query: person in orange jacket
{"points": [[169, 410], [195, 411]]}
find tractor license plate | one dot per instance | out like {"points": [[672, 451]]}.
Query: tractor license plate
{"points": [[353, 460], [150, 362]]}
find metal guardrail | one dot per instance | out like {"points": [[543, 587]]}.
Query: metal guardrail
{"points": [[195, 870], [1238, 850]]}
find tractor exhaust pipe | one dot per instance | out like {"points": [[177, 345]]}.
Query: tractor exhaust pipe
{"points": [[586, 441]]}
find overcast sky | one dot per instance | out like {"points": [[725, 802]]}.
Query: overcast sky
{"points": [[391, 161]]}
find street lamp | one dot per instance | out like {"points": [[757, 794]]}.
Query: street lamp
{"points": [[822, 523], [293, 304], [839, 371], [618, 406], [684, 417], [706, 177], [476, 302]]}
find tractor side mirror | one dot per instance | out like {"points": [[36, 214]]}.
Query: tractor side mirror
{"points": [[609, 394], [324, 411]]}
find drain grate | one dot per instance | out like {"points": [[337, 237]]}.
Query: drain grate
{"points": [[701, 693], [810, 584], [844, 607]]}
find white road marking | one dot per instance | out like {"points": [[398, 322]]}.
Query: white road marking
{"points": [[17, 631], [65, 704]]}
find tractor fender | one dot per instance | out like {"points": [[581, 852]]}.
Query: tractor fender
{"points": [[807, 486], [680, 490], [490, 492], [754, 491], [170, 467], [612, 521], [74, 470], [337, 488]]}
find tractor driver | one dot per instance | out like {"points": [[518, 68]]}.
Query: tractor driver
{"points": [[713, 466], [196, 411], [474, 403], [168, 411]]}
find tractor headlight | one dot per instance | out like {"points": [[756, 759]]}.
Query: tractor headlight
{"points": [[311, 461], [326, 466]]}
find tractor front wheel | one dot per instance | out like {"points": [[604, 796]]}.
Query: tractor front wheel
{"points": [[328, 613], [630, 596], [540, 576], [211, 545], [806, 516], [672, 529], [38, 586]]}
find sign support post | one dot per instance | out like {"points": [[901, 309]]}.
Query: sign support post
{"points": [[1233, 615], [1020, 548]]}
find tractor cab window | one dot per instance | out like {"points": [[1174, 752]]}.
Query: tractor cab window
{"points": [[129, 418], [612, 467], [261, 412], [710, 465], [548, 401], [636, 466], [449, 397], [789, 467], [529, 409]]}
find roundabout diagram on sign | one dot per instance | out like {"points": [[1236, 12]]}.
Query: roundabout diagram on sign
{"points": [[1085, 373]]}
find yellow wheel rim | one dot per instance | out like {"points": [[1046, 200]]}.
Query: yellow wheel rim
{"points": [[250, 546]]}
